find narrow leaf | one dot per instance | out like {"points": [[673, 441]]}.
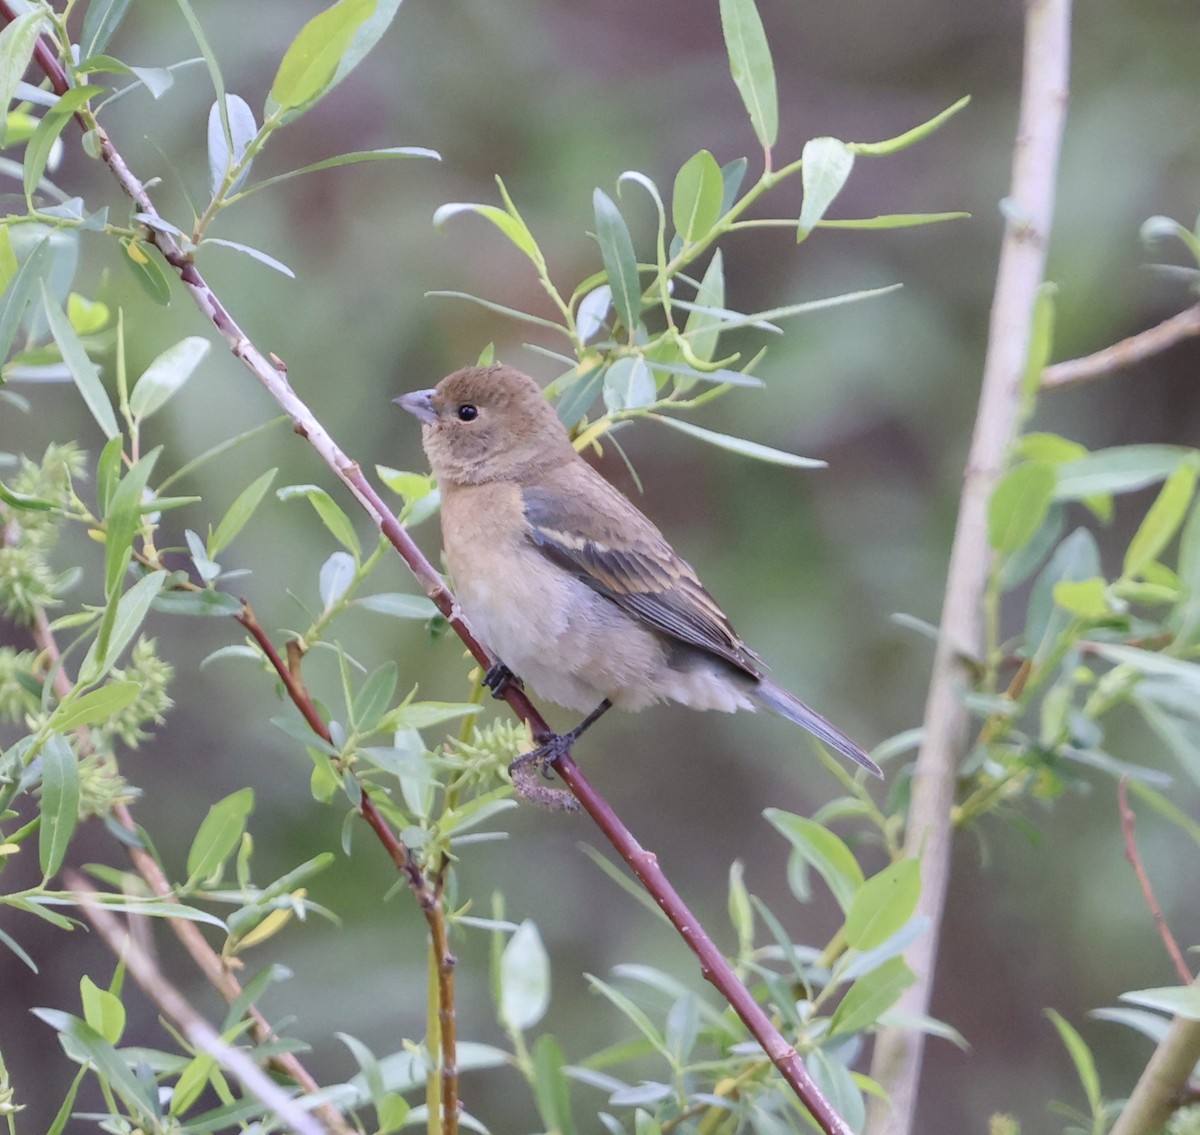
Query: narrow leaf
{"points": [[512, 227], [20, 290], [123, 520], [1162, 520], [823, 850], [1081, 1056], [85, 372], [309, 65], [99, 22], [386, 153], [703, 327], [93, 707], [620, 263], [1019, 504], [239, 513], [330, 513], [751, 66], [872, 994], [219, 834], [37, 149], [741, 445], [17, 40], [165, 375], [697, 197], [60, 803], [883, 904]]}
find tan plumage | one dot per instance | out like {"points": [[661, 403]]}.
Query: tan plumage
{"points": [[564, 579]]}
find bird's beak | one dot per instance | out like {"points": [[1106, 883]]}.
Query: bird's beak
{"points": [[419, 403]]}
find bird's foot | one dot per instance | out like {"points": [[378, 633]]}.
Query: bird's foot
{"points": [[524, 772], [499, 677]]}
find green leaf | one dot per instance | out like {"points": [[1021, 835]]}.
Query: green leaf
{"points": [[99, 22], [102, 1010], [385, 153], [577, 399], [909, 137], [871, 995], [1084, 598], [512, 227], [892, 221], [399, 605], [191, 1082], [1019, 504], [309, 66], [524, 979], [94, 706], [697, 196], [165, 375], [1081, 1056], [21, 289], [144, 262], [60, 800], [629, 385], [740, 445], [219, 834], [374, 697], [118, 630], [239, 513], [883, 904], [331, 515], [123, 520], [86, 1046], [511, 312], [827, 165], [1162, 520], [824, 851], [17, 41], [620, 263], [1122, 469], [741, 913], [751, 67], [85, 372], [37, 149], [1041, 341], [710, 294], [551, 1086]]}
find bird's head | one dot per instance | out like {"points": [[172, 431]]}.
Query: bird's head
{"points": [[484, 424]]}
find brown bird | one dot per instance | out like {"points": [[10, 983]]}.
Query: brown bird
{"points": [[565, 581]]}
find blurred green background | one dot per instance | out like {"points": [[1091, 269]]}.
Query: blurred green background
{"points": [[558, 98]]}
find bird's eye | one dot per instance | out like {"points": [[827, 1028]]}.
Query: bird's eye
{"points": [[467, 412]]}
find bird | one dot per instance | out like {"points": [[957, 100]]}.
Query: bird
{"points": [[572, 589]]}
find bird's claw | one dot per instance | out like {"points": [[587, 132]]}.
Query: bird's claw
{"points": [[525, 768], [499, 677]]}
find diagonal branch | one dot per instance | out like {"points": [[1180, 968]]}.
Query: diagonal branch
{"points": [[196, 1030], [898, 1053], [1135, 349], [272, 374]]}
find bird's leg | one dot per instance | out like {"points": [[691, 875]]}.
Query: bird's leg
{"points": [[551, 746], [499, 677]]}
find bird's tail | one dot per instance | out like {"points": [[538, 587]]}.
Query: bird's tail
{"points": [[788, 705]]}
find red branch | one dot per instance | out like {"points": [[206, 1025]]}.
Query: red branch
{"points": [[273, 375], [1135, 861]]}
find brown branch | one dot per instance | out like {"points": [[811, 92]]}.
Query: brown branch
{"points": [[272, 373], [198, 1032], [899, 1052], [1135, 861], [1137, 348], [428, 896]]}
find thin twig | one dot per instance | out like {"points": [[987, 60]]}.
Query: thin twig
{"points": [[1135, 349], [194, 1027], [272, 373], [428, 896], [898, 1053], [1128, 821]]}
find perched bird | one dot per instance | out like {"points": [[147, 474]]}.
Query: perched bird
{"points": [[565, 580]]}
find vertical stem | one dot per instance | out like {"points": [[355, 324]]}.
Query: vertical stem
{"points": [[1029, 211]]}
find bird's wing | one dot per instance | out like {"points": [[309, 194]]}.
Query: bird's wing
{"points": [[622, 556]]}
